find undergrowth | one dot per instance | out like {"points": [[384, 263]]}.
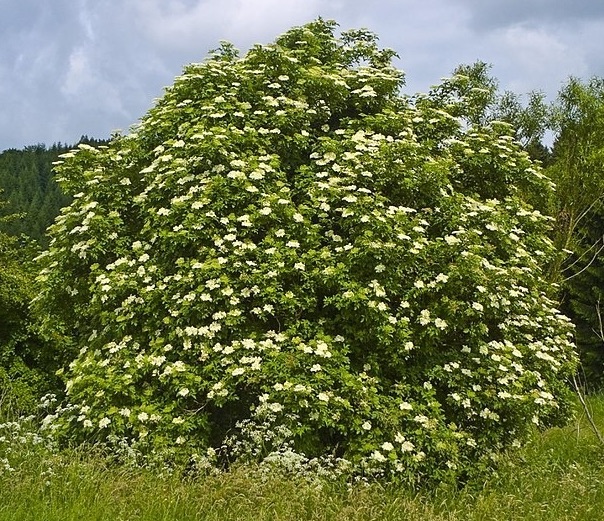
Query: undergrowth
{"points": [[559, 475]]}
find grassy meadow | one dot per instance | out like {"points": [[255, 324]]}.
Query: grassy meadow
{"points": [[558, 476]]}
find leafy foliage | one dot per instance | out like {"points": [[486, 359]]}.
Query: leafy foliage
{"points": [[26, 370], [577, 172], [287, 256], [30, 192], [477, 101]]}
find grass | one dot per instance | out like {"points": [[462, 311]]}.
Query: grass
{"points": [[558, 476]]}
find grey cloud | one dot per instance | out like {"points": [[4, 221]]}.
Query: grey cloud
{"points": [[488, 15]]}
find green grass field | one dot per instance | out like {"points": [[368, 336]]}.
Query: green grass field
{"points": [[558, 476]]}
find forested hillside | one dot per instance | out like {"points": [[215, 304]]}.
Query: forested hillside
{"points": [[28, 189]]}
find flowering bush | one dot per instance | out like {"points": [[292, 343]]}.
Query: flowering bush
{"points": [[286, 256]]}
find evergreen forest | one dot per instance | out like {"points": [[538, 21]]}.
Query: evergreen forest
{"points": [[31, 197]]}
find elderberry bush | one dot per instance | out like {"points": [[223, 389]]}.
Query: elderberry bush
{"points": [[289, 256]]}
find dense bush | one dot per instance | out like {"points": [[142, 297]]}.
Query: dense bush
{"points": [[26, 365], [287, 256]]}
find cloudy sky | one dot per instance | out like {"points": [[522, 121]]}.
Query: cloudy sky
{"points": [[74, 67]]}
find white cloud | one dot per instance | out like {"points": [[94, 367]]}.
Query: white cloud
{"points": [[175, 25], [257, 19], [79, 73]]}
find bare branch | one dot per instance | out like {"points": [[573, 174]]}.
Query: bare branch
{"points": [[587, 411], [583, 254], [587, 266]]}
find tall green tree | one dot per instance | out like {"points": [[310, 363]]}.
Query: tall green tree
{"points": [[473, 95], [530, 116], [578, 172], [29, 190]]}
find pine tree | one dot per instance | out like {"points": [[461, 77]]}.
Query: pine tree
{"points": [[28, 187]]}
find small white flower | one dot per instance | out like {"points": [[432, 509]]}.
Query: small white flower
{"points": [[275, 407], [387, 446], [424, 317], [378, 456], [104, 422], [323, 397], [407, 446], [440, 323], [366, 426]]}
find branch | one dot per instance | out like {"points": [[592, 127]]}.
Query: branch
{"points": [[588, 209], [587, 266], [587, 411], [578, 389], [582, 255]]}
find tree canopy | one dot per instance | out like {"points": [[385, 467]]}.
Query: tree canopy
{"points": [[26, 366], [578, 155]]}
